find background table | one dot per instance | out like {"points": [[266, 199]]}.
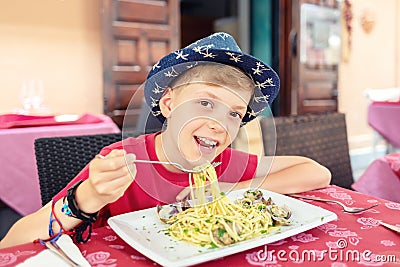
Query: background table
{"points": [[384, 118], [335, 244], [19, 182], [381, 178]]}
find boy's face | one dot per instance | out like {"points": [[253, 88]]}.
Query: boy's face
{"points": [[204, 119]]}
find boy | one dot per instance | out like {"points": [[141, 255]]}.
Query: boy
{"points": [[205, 92]]}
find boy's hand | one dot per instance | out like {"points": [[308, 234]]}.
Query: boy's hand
{"points": [[109, 177]]}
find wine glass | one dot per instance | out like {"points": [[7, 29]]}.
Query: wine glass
{"points": [[32, 96], [26, 99], [36, 93]]}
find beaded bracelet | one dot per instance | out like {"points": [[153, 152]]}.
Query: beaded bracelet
{"points": [[71, 209]]}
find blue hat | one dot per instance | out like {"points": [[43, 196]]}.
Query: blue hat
{"points": [[222, 48]]}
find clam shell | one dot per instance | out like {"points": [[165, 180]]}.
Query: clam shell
{"points": [[166, 212]]}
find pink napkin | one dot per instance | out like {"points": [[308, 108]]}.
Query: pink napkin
{"points": [[394, 162], [18, 120]]}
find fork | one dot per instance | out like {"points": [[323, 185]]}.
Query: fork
{"points": [[345, 208], [57, 250], [177, 165], [391, 227]]}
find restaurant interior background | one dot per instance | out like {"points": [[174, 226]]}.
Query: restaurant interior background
{"points": [[60, 43]]}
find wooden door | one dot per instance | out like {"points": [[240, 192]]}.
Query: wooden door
{"points": [[136, 34], [309, 73]]}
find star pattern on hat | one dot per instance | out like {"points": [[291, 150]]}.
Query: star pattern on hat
{"points": [[263, 98], [198, 49], [171, 73], [156, 113], [210, 55], [252, 113], [158, 89], [192, 65], [235, 57], [156, 66], [154, 102], [179, 54], [264, 84], [259, 68], [203, 50]]}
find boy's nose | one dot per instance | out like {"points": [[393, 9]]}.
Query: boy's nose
{"points": [[216, 125]]}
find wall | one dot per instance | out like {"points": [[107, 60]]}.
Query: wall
{"points": [[60, 42], [373, 62], [57, 41]]}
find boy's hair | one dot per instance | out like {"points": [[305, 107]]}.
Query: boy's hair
{"points": [[215, 73]]}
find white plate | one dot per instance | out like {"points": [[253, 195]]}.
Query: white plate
{"points": [[144, 232]]}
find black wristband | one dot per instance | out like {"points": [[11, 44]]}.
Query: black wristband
{"points": [[73, 206]]}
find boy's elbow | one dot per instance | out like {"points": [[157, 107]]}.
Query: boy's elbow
{"points": [[320, 176], [325, 176]]}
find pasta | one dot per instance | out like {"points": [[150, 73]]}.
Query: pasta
{"points": [[222, 221]]}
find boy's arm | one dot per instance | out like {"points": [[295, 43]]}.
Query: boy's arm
{"points": [[36, 225], [288, 174], [108, 179]]}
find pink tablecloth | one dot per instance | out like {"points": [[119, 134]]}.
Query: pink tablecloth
{"points": [[384, 117], [381, 178], [352, 240], [19, 182]]}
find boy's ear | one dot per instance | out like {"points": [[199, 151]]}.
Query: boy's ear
{"points": [[166, 103]]}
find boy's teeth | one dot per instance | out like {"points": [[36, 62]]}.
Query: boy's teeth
{"points": [[207, 141]]}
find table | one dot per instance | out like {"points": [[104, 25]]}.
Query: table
{"points": [[381, 178], [19, 179], [384, 118], [337, 244]]}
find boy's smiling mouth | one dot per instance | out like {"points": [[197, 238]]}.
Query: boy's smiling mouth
{"points": [[206, 142]]}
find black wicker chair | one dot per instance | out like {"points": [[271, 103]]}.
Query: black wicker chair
{"points": [[60, 159], [322, 137]]}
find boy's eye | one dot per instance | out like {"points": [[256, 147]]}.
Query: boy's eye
{"points": [[205, 103], [236, 115]]}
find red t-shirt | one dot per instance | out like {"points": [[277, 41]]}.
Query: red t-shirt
{"points": [[154, 184]]}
